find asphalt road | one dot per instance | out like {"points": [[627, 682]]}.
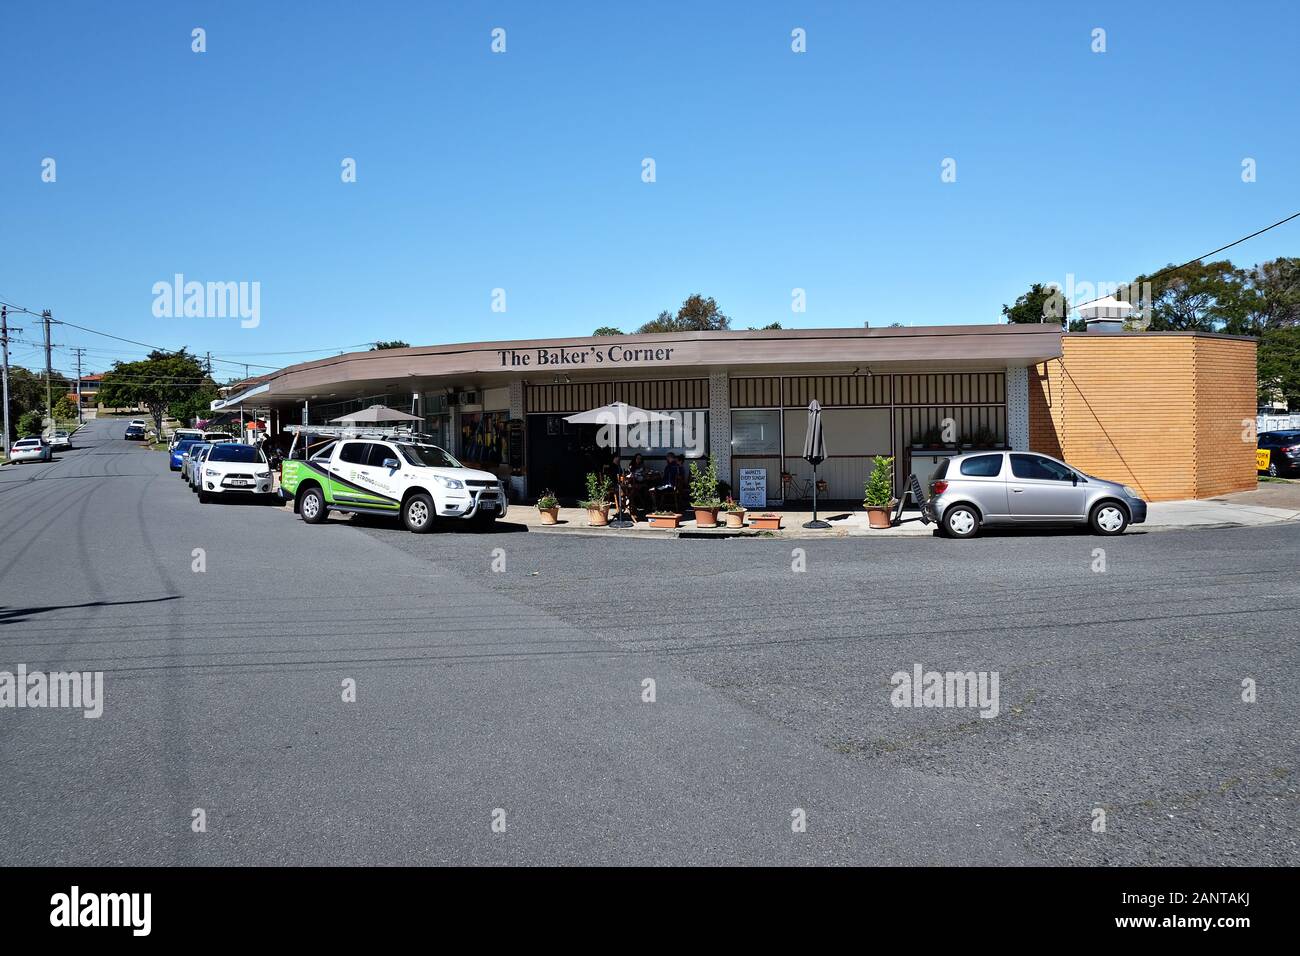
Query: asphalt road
{"points": [[521, 689]]}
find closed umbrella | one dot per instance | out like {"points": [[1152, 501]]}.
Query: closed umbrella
{"points": [[814, 452]]}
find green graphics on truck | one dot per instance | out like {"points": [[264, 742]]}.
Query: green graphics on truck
{"points": [[340, 487]]}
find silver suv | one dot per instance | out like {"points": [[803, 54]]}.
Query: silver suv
{"points": [[1025, 488]]}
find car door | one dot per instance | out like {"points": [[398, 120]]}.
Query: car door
{"points": [[385, 471], [350, 474], [982, 478], [1043, 489]]}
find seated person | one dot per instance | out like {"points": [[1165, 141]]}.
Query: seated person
{"points": [[636, 480], [674, 478]]}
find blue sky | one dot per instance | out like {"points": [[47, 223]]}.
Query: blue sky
{"points": [[522, 170]]}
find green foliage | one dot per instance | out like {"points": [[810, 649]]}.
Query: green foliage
{"points": [[880, 483], [607, 330], [732, 505], [547, 500], [31, 424], [598, 488], [1040, 304], [65, 410], [27, 393], [704, 486], [697, 314], [194, 406], [1279, 365], [394, 344], [1199, 297], [770, 327], [155, 382]]}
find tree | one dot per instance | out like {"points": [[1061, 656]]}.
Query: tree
{"points": [[394, 344], [607, 330], [1279, 365], [1198, 297], [27, 392], [64, 409], [198, 404], [770, 327], [31, 423], [1275, 296], [154, 382], [697, 314], [1042, 303]]}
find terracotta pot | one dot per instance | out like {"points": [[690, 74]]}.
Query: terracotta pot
{"points": [[706, 517], [878, 515], [549, 515], [665, 520], [734, 519], [598, 517], [765, 522]]}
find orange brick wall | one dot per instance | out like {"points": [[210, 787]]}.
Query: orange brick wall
{"points": [[1159, 412]]}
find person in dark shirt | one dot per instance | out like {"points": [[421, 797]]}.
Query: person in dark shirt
{"points": [[674, 478]]}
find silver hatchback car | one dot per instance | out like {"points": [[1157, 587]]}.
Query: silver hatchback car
{"points": [[1025, 488]]}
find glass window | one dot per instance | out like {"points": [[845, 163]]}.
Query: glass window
{"points": [[940, 471], [380, 454], [429, 456], [685, 434], [355, 452], [982, 466], [1042, 469], [244, 454], [324, 453], [755, 432]]}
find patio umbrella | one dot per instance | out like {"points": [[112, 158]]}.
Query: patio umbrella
{"points": [[621, 418], [814, 452], [374, 414]]}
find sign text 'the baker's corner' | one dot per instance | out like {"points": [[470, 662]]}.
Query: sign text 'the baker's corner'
{"points": [[588, 355]]}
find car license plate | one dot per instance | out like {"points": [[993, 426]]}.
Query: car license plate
{"points": [[239, 481]]}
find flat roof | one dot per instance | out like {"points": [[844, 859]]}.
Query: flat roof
{"points": [[670, 355]]}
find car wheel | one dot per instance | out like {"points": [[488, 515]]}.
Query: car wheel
{"points": [[961, 521], [312, 506], [417, 513], [204, 498], [1272, 469], [1108, 518]]}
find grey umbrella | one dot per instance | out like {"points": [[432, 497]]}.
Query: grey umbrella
{"points": [[814, 452], [376, 413]]}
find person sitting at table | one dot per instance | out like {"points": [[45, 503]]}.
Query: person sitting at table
{"points": [[674, 477], [636, 473]]}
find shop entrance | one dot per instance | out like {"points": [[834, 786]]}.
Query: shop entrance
{"points": [[560, 455]]}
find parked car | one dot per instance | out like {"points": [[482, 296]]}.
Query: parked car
{"points": [[31, 449], [218, 436], [233, 469], [1283, 449], [138, 421], [182, 434], [419, 483], [195, 463], [1016, 488], [187, 456], [178, 451], [61, 440], [134, 432]]}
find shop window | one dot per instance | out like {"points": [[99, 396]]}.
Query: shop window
{"points": [[755, 432]]}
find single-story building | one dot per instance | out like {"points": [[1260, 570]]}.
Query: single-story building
{"points": [[1160, 412]]}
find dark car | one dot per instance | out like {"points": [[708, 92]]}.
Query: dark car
{"points": [[134, 432], [1283, 449]]}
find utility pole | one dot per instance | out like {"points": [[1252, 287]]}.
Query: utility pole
{"points": [[80, 352], [49, 372], [4, 346]]}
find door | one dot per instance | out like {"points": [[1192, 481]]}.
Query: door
{"points": [[1043, 489], [353, 481]]}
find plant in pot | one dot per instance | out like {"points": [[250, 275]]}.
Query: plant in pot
{"points": [[733, 513], [704, 495], [548, 506], [597, 501], [879, 500], [767, 521]]}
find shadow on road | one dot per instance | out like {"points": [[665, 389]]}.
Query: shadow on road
{"points": [[16, 615]]}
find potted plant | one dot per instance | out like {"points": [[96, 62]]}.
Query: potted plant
{"points": [[664, 519], [548, 506], [733, 513], [765, 522], [879, 500], [704, 495], [597, 501]]}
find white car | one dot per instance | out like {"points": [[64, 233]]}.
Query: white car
{"points": [[194, 464], [31, 449], [180, 434], [61, 440], [138, 422], [421, 484], [218, 436], [233, 469]]}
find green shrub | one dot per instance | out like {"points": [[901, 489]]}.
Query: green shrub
{"points": [[880, 483], [598, 487], [547, 501], [704, 486]]}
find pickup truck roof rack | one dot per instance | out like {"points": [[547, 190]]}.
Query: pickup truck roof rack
{"points": [[400, 433]]}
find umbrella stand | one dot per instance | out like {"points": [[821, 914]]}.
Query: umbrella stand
{"points": [[815, 523]]}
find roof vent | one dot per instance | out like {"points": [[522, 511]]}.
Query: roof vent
{"points": [[1105, 316]]}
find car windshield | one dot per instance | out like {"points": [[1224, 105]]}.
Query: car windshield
{"points": [[245, 454], [429, 456]]}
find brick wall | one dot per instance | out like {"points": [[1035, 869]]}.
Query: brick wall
{"points": [[1159, 412]]}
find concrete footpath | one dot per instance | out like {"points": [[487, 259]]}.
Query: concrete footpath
{"points": [[1228, 512]]}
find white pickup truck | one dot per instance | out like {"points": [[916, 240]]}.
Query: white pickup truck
{"points": [[420, 483]]}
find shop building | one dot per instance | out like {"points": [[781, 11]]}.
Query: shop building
{"points": [[741, 398]]}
